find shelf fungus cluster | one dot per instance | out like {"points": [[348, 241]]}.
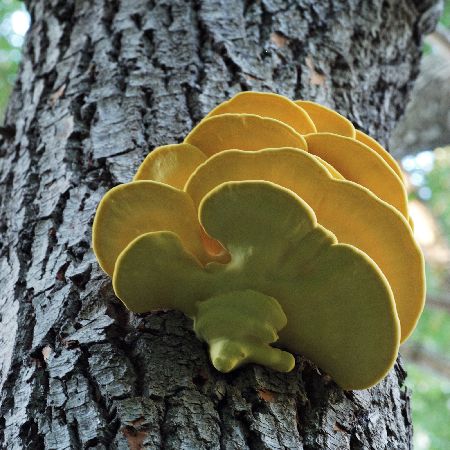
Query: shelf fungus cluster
{"points": [[274, 221]]}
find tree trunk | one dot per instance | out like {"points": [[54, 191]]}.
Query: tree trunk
{"points": [[101, 83]]}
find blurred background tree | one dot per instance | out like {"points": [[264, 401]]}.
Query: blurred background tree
{"points": [[424, 128]]}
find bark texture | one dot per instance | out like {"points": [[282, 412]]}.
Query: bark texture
{"points": [[101, 83]]}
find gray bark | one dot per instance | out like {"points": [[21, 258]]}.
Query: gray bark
{"points": [[101, 83]]}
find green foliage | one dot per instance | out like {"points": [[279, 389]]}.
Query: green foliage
{"points": [[10, 43], [430, 409], [427, 49], [433, 331], [438, 180], [431, 394], [445, 19]]}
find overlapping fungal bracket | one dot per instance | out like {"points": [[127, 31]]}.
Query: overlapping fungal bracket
{"points": [[274, 221]]}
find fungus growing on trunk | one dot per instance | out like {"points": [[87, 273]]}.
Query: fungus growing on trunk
{"points": [[263, 235]]}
